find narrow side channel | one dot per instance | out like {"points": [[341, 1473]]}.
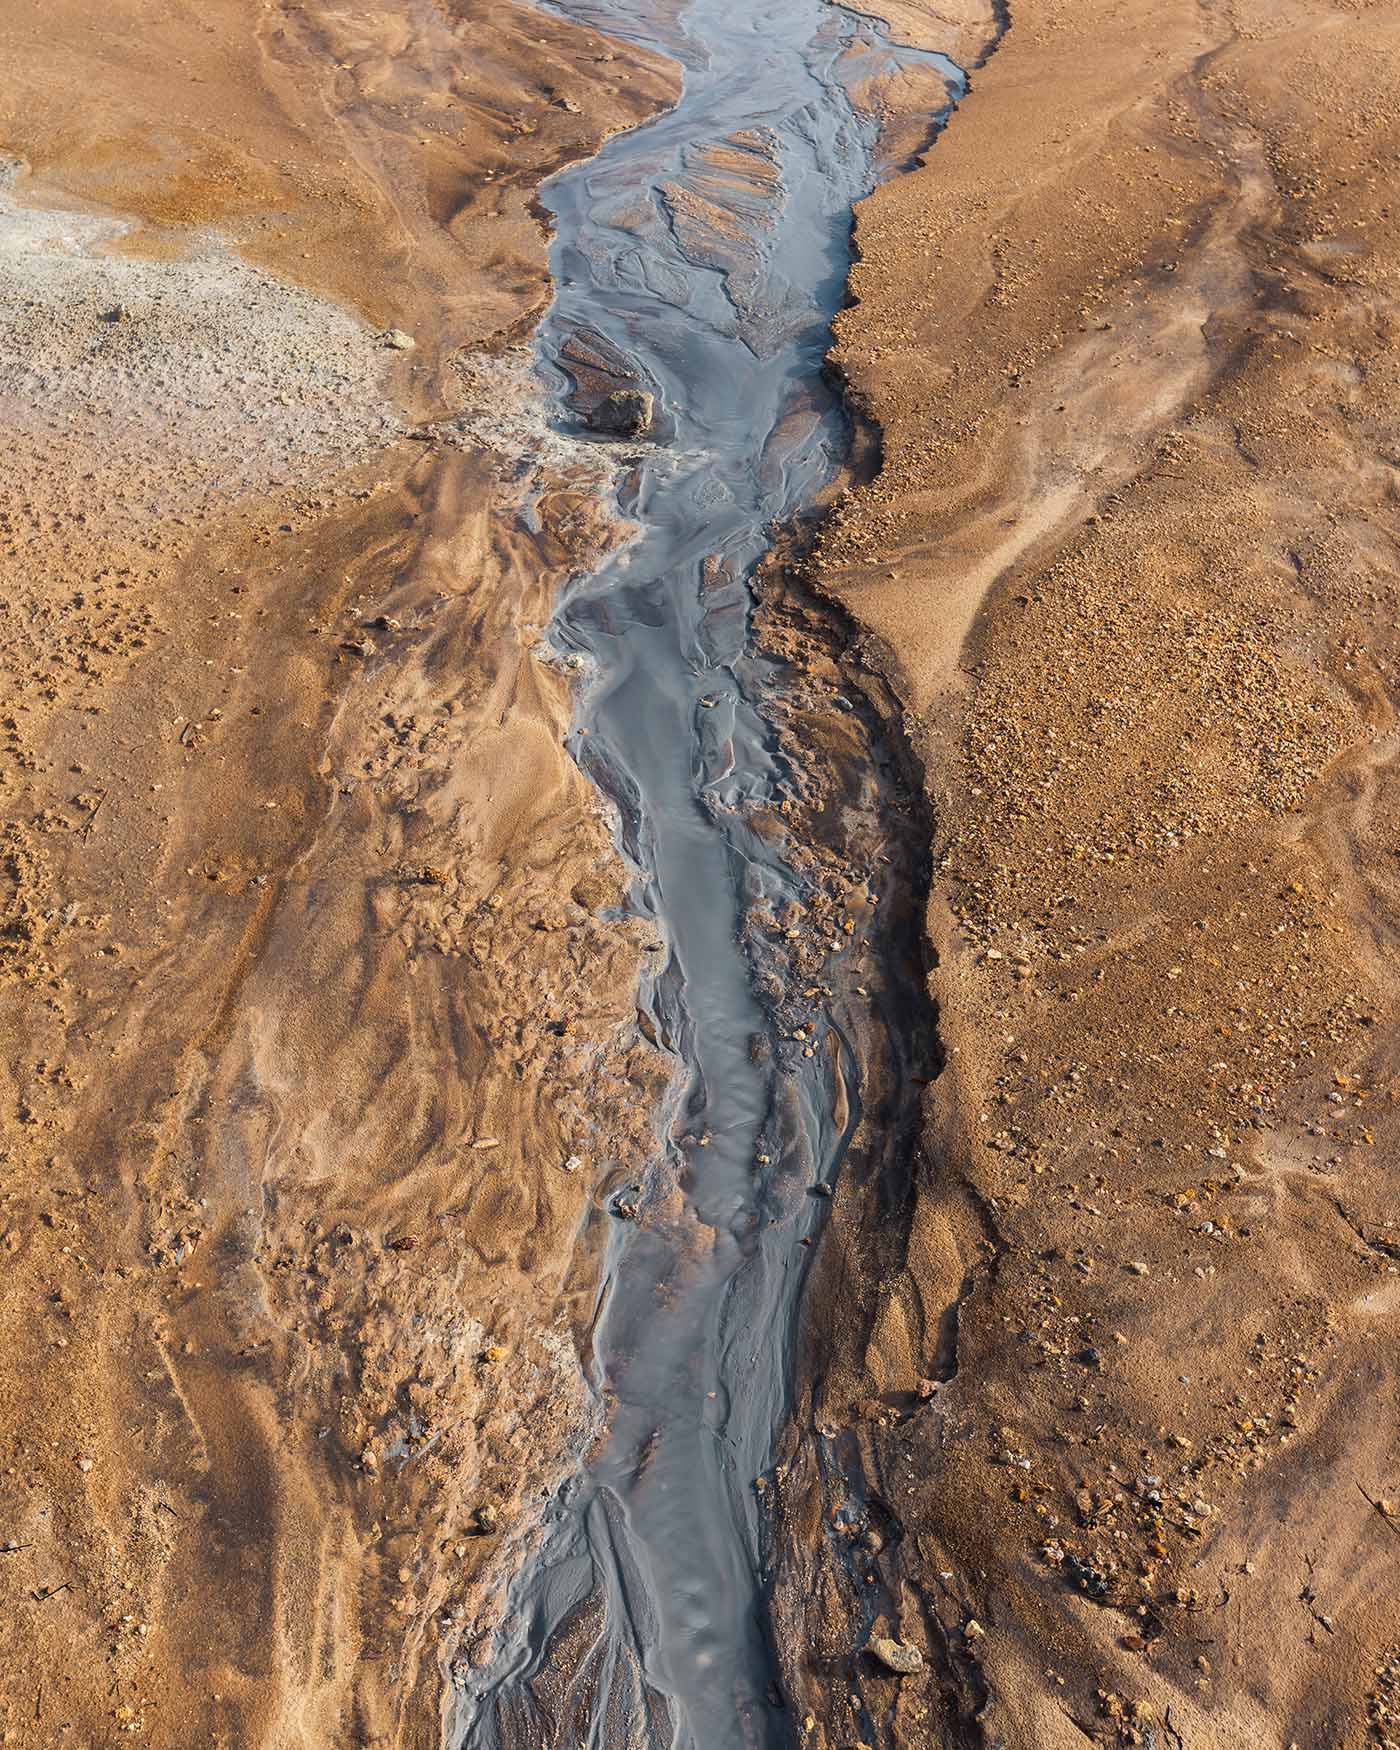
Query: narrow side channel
{"points": [[699, 261]]}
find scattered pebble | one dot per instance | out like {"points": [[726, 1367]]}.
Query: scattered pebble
{"points": [[898, 1656]]}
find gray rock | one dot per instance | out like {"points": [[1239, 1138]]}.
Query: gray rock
{"points": [[624, 413], [896, 1656]]}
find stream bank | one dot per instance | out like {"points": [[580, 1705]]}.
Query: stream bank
{"points": [[767, 824]]}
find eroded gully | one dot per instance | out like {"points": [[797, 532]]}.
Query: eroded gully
{"points": [[698, 259]]}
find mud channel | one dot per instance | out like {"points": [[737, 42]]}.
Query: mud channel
{"points": [[698, 262]]}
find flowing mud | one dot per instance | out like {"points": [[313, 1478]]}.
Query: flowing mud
{"points": [[699, 261], [329, 1128]]}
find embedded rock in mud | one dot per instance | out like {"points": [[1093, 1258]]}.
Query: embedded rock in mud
{"points": [[624, 413]]}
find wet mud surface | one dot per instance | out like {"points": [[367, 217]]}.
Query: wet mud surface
{"points": [[333, 1137], [699, 261]]}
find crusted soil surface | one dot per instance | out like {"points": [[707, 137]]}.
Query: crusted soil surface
{"points": [[318, 1048], [317, 1034], [1116, 1380]]}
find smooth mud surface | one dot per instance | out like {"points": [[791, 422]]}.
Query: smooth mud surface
{"points": [[700, 260]]}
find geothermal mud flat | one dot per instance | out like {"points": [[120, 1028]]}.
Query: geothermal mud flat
{"points": [[698, 262], [332, 1135]]}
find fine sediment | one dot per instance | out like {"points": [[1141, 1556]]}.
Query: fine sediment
{"points": [[314, 989], [1125, 1406], [311, 991], [698, 262]]}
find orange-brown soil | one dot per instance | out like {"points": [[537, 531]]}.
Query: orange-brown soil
{"points": [[1120, 1372], [317, 1045], [317, 1042]]}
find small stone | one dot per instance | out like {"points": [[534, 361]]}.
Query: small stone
{"points": [[974, 1630], [897, 1656], [1137, 1268], [398, 341], [488, 1521]]}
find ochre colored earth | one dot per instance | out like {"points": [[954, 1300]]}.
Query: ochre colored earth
{"points": [[312, 985]]}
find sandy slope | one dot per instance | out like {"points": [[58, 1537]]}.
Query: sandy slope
{"points": [[1124, 1380], [306, 1002], [307, 999]]}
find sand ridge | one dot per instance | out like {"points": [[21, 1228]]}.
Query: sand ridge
{"points": [[318, 1038], [1121, 1382]]}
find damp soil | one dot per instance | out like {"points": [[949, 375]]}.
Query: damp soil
{"points": [[698, 262]]}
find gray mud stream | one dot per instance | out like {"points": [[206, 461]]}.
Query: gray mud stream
{"points": [[699, 258]]}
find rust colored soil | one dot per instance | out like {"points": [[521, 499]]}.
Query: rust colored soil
{"points": [[308, 998], [1122, 1382], [318, 1041]]}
